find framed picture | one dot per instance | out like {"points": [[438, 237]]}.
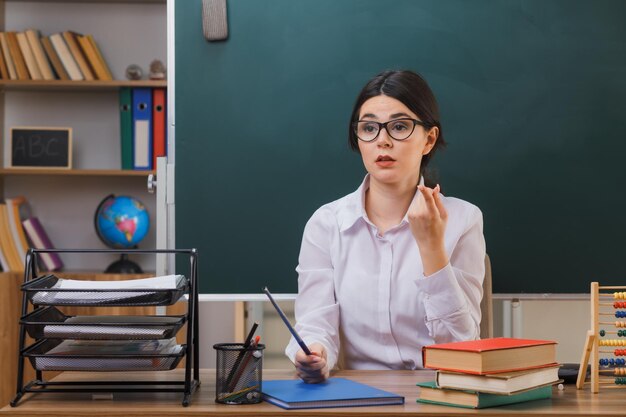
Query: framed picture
{"points": [[40, 147]]}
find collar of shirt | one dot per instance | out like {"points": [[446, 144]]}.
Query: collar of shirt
{"points": [[355, 207]]}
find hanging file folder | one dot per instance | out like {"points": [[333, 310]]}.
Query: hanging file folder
{"points": [[142, 128]]}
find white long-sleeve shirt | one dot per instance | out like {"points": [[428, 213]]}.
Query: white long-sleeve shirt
{"points": [[366, 295]]}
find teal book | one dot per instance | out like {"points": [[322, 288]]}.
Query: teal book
{"points": [[334, 392], [431, 394], [126, 127]]}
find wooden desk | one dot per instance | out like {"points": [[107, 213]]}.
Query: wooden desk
{"points": [[569, 402]]}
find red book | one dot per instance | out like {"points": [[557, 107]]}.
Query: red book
{"points": [[40, 240], [487, 356], [159, 127]]}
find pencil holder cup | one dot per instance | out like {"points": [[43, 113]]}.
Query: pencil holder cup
{"points": [[239, 373]]}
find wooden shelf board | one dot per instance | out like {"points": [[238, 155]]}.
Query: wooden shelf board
{"points": [[75, 172], [20, 85]]}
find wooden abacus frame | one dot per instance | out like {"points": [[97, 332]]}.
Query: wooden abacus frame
{"points": [[591, 351]]}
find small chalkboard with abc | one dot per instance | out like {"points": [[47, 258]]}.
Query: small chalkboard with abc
{"points": [[41, 147]]}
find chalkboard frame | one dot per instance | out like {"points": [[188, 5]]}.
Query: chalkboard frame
{"points": [[45, 129]]}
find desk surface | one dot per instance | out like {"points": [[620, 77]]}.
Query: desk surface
{"points": [[568, 402]]}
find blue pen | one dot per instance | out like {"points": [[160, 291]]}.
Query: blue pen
{"points": [[291, 329]]}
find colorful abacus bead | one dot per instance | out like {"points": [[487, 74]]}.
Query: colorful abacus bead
{"points": [[602, 333], [619, 333]]}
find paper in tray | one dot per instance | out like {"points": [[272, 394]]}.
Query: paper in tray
{"points": [[52, 290], [49, 322], [75, 355]]}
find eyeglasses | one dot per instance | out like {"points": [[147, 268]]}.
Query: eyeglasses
{"points": [[398, 129]]}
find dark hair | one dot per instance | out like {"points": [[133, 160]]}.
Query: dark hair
{"points": [[413, 91]]}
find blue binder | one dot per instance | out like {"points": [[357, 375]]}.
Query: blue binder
{"points": [[142, 128]]}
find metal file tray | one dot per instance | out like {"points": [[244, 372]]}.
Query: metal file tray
{"points": [[42, 291], [50, 323], [42, 360]]}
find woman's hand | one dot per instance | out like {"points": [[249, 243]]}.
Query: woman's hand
{"points": [[428, 218], [312, 368]]}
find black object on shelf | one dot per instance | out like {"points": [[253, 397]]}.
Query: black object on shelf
{"points": [[123, 340], [124, 266]]}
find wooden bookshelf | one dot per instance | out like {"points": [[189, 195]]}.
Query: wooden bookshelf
{"points": [[60, 85], [74, 172]]}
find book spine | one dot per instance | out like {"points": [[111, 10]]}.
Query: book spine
{"points": [[40, 240], [4, 71], [94, 45], [40, 56], [7, 56], [8, 246], [77, 53], [18, 58], [29, 58], [57, 65], [66, 57], [91, 56]]}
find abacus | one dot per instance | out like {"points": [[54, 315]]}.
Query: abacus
{"points": [[605, 345]]}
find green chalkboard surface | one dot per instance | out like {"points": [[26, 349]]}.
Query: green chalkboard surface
{"points": [[533, 103]]}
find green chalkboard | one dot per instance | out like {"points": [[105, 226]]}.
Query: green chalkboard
{"points": [[533, 102]]}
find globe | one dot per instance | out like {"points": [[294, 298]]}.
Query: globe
{"points": [[121, 223]]}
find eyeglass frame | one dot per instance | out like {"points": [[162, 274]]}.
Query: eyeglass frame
{"points": [[384, 125]]}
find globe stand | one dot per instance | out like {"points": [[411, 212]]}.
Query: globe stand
{"points": [[124, 266]]}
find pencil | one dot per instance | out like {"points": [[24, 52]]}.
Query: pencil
{"points": [[242, 352]]}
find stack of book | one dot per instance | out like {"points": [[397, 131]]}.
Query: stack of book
{"points": [[490, 372], [61, 56], [19, 231]]}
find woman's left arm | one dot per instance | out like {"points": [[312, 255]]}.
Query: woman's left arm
{"points": [[452, 294]]}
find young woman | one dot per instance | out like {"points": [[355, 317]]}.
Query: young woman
{"points": [[395, 265]]}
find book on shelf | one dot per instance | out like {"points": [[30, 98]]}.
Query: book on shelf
{"points": [[96, 64], [429, 393], [39, 240], [6, 53], [4, 71], [68, 61], [96, 49], [15, 224], [36, 46], [54, 58], [16, 54], [494, 355], [4, 264], [505, 383], [334, 392], [71, 38], [9, 247], [29, 57]]}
